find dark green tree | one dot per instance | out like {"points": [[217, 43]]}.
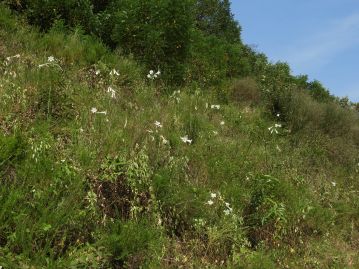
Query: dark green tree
{"points": [[156, 32], [214, 17], [319, 93]]}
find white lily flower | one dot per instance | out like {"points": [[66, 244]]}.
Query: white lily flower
{"points": [[152, 75], [227, 212], [186, 140], [210, 202], [112, 91], [215, 106], [213, 195], [51, 59], [94, 110], [114, 72], [164, 140], [158, 124]]}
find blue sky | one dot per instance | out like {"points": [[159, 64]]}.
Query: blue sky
{"points": [[319, 38]]}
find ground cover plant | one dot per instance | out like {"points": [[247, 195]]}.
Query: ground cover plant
{"points": [[117, 155]]}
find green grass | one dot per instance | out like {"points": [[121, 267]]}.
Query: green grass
{"points": [[89, 190]]}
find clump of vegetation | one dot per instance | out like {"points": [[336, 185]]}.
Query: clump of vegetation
{"points": [[124, 144]]}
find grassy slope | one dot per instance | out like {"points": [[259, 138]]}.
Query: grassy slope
{"points": [[84, 190]]}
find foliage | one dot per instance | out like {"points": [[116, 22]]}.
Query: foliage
{"points": [[214, 17], [44, 13], [156, 32], [105, 164]]}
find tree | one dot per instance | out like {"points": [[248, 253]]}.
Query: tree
{"points": [[155, 32], [319, 93], [214, 17]]}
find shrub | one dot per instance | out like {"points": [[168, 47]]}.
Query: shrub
{"points": [[156, 32], [337, 121], [246, 90], [266, 214], [213, 59], [43, 13], [53, 99], [122, 188], [300, 111], [12, 149], [133, 244], [319, 93]]}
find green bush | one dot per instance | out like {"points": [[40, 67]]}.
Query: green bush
{"points": [[133, 244], [213, 59], [44, 13], [53, 98], [12, 149], [156, 32], [337, 121], [246, 90], [300, 111], [319, 93], [267, 212]]}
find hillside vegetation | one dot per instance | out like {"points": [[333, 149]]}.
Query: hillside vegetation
{"points": [[145, 134]]}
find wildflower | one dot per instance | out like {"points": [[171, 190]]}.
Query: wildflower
{"points": [[114, 72], [51, 61], [227, 212], [10, 57], [210, 202], [152, 75], [274, 129], [158, 124], [215, 107], [175, 95], [186, 140], [164, 140], [227, 204], [215, 132], [95, 111], [278, 115], [222, 122], [112, 91], [213, 195], [97, 72], [334, 183]]}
